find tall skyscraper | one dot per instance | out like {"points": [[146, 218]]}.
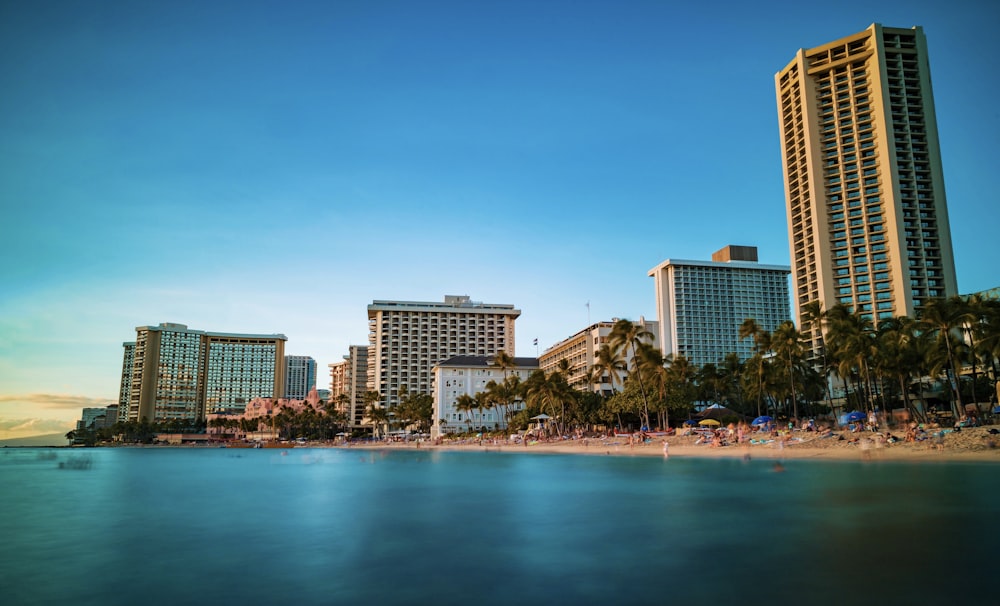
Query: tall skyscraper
{"points": [[700, 305], [300, 377], [407, 338], [179, 373], [867, 216]]}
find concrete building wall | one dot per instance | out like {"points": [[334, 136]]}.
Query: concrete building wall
{"points": [[864, 186], [408, 338]]}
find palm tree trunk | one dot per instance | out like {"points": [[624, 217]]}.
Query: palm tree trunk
{"points": [[642, 389]]}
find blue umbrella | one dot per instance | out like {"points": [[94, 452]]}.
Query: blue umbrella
{"points": [[855, 416], [763, 420], [690, 422]]}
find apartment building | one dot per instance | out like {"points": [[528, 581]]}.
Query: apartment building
{"points": [[406, 339], [349, 377], [864, 187], [580, 351], [300, 377], [700, 305], [180, 373]]}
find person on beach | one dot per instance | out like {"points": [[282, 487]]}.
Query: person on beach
{"points": [[666, 449]]}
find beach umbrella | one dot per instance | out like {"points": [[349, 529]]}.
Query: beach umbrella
{"points": [[690, 422], [708, 422], [762, 420], [853, 417], [541, 417]]}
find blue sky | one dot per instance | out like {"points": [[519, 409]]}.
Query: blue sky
{"points": [[274, 167]]}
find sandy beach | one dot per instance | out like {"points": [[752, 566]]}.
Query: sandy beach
{"points": [[969, 444]]}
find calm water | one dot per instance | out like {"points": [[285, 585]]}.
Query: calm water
{"points": [[224, 526]]}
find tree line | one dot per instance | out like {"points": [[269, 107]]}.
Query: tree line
{"points": [[880, 364]]}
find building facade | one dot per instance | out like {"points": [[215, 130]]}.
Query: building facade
{"points": [[469, 375], [300, 376], [349, 382], [580, 352], [700, 305], [179, 373], [125, 391], [864, 188], [406, 339]]}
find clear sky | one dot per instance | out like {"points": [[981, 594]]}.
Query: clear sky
{"points": [[273, 167]]}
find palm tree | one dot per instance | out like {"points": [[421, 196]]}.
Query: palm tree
{"points": [[851, 339], [942, 317], [375, 413], [505, 361], [732, 368], [551, 393], [988, 336], [898, 354], [653, 366], [465, 404], [608, 364], [977, 316], [749, 329], [786, 341], [627, 335], [812, 324], [679, 376]]}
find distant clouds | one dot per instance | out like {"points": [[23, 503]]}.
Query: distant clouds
{"points": [[25, 427], [54, 401], [12, 429]]}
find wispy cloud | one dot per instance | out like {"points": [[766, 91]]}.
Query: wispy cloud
{"points": [[12, 429], [55, 401], [30, 427]]}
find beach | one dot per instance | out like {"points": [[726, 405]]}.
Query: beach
{"points": [[969, 444]]}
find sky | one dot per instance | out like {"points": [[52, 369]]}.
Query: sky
{"points": [[272, 167]]}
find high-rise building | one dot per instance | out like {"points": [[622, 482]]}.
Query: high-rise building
{"points": [[179, 373], [867, 215], [349, 381], [580, 352], [407, 338], [124, 393], [300, 376], [700, 305]]}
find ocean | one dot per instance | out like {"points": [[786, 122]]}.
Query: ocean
{"points": [[325, 526]]}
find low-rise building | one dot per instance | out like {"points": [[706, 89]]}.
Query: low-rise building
{"points": [[580, 351], [470, 375]]}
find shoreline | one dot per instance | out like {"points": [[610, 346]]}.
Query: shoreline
{"points": [[970, 445]]}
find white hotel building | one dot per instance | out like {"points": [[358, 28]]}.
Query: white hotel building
{"points": [[470, 375], [700, 305]]}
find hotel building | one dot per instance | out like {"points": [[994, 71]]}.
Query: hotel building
{"points": [[867, 215], [407, 338], [124, 393], [179, 373], [470, 375], [349, 377], [700, 305], [581, 349], [300, 376]]}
